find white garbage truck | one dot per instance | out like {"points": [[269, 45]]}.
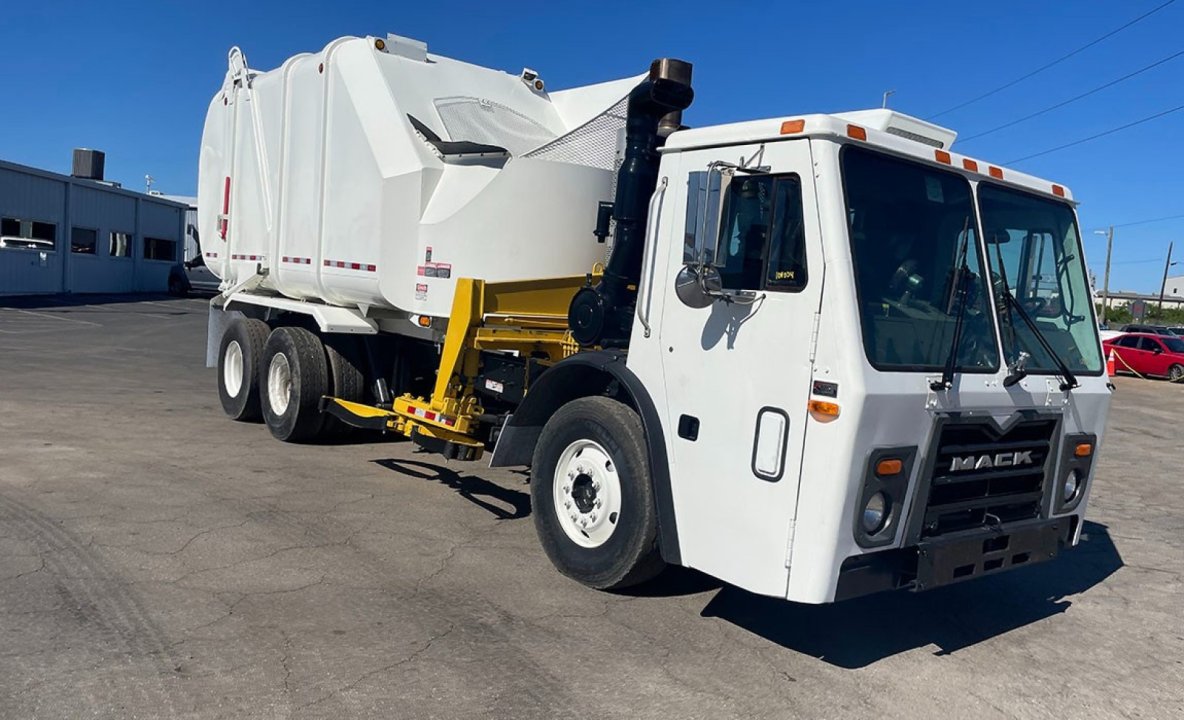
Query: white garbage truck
{"points": [[815, 356]]}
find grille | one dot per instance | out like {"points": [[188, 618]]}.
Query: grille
{"points": [[968, 491]]}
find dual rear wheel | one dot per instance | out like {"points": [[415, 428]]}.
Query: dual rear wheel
{"points": [[280, 375]]}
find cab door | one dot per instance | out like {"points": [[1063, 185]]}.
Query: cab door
{"points": [[738, 374]]}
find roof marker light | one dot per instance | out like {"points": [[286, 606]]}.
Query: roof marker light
{"points": [[969, 164], [1058, 191], [790, 127], [856, 132], [942, 156], [996, 173]]}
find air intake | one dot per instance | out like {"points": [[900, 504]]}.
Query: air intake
{"points": [[88, 164]]}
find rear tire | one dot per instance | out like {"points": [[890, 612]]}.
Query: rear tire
{"points": [[238, 368], [1176, 373], [346, 379], [293, 375], [591, 463]]}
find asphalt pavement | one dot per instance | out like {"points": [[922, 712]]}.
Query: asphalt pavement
{"points": [[160, 561]]}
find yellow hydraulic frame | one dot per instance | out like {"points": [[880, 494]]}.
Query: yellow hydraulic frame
{"points": [[528, 317]]}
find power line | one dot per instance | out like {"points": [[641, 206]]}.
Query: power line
{"points": [[1152, 220], [1046, 66], [1073, 99], [1111, 131]]}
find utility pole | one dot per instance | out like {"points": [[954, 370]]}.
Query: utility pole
{"points": [[1164, 284], [1106, 277]]}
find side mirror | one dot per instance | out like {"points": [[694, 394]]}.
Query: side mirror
{"points": [[698, 285], [1157, 350]]}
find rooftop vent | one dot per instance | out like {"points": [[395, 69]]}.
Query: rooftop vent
{"points": [[88, 164], [905, 126]]}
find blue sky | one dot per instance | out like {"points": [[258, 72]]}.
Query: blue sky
{"points": [[134, 78]]}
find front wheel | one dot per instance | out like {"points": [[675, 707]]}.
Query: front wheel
{"points": [[591, 495], [1176, 373]]}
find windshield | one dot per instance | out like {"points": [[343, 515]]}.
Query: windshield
{"points": [[910, 227], [1032, 245]]}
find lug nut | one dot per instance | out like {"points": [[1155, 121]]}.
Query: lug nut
{"points": [[593, 517], [567, 489], [567, 504], [599, 502], [595, 485]]}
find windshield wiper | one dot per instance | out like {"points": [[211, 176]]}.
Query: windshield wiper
{"points": [[1018, 370], [961, 274]]}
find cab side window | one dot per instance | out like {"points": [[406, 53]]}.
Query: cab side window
{"points": [[762, 243]]}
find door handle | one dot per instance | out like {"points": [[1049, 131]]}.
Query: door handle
{"points": [[647, 265]]}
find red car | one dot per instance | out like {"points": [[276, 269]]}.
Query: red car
{"points": [[1148, 354]]}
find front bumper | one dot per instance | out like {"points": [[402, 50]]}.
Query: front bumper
{"points": [[955, 557]]}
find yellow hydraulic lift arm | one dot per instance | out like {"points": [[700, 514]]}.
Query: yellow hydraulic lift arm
{"points": [[523, 317]]}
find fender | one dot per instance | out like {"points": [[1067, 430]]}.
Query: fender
{"points": [[594, 372]]}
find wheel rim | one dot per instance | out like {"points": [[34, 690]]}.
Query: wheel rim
{"points": [[587, 493], [232, 368], [279, 383], [1176, 373]]}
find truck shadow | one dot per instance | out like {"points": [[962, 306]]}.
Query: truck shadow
{"points": [[502, 503], [856, 633]]}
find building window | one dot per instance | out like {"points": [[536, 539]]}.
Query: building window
{"points": [[120, 244], [160, 249], [28, 234], [84, 240]]}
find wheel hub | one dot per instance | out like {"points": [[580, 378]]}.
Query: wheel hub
{"points": [[279, 383], [587, 493], [232, 368]]}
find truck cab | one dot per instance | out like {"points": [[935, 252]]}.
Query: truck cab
{"points": [[833, 426]]}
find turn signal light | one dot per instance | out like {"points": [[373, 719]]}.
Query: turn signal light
{"points": [[889, 466], [1083, 450], [424, 321], [823, 411], [856, 132], [790, 127]]}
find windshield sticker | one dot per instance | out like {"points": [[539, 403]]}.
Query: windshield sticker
{"points": [[933, 189]]}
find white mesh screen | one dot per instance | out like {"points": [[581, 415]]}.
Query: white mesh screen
{"points": [[593, 144], [484, 121]]}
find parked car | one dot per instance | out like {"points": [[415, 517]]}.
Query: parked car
{"points": [[1177, 331], [1149, 329], [1148, 354]]}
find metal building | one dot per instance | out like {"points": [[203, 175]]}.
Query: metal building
{"points": [[71, 234]]}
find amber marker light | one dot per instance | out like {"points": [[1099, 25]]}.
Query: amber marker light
{"points": [[889, 467], [856, 132], [823, 411], [1083, 450], [942, 156], [789, 127]]}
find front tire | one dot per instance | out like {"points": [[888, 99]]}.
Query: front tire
{"points": [[592, 499], [1176, 373], [238, 363], [293, 375]]}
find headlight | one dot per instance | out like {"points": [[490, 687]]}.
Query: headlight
{"points": [[874, 513], [1071, 486]]}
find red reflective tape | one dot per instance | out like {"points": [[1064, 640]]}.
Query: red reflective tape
{"points": [[429, 416], [449, 422], [225, 208], [371, 268]]}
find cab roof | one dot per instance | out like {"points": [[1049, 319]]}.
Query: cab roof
{"points": [[881, 128]]}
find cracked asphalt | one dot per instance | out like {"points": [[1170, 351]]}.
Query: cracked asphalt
{"points": [[160, 561]]}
